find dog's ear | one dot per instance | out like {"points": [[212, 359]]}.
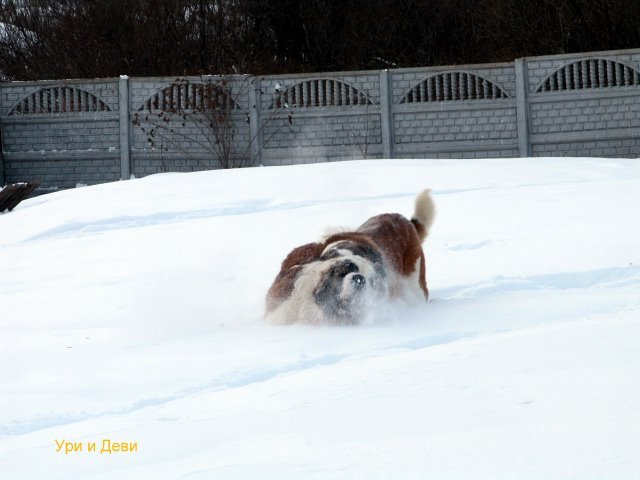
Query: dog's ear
{"points": [[304, 254], [284, 282]]}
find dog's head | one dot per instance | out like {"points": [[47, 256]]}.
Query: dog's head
{"points": [[348, 277]]}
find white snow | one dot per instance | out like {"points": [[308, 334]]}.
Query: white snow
{"points": [[132, 311]]}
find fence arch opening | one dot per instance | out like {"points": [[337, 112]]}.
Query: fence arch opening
{"points": [[453, 86], [59, 99], [590, 73], [320, 92], [183, 95]]}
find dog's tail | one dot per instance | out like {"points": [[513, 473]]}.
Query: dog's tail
{"points": [[424, 214]]}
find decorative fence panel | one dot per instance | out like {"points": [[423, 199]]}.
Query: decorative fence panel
{"points": [[64, 133], [60, 133], [316, 118], [454, 112], [585, 104]]}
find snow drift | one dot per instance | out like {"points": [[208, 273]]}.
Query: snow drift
{"points": [[132, 312]]}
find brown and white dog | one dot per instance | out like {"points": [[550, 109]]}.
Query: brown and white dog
{"points": [[341, 279]]}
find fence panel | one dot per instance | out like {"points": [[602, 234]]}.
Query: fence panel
{"points": [[60, 133]]}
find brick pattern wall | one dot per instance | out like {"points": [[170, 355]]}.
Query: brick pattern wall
{"points": [[184, 144], [624, 148], [63, 171], [148, 164], [432, 132], [97, 132], [456, 128], [64, 148], [320, 138], [585, 121], [291, 133], [572, 114], [470, 111]]}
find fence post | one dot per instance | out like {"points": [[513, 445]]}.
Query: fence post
{"points": [[386, 118], [1, 158], [125, 127], [1, 143], [255, 132], [522, 107]]}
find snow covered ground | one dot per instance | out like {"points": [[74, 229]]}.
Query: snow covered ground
{"points": [[131, 312]]}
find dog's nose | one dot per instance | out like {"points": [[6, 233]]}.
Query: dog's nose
{"points": [[358, 280]]}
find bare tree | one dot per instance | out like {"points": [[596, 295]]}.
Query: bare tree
{"points": [[206, 115], [78, 38]]}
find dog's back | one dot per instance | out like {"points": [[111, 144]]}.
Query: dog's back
{"points": [[401, 239]]}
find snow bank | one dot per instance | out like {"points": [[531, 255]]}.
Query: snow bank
{"points": [[131, 311]]}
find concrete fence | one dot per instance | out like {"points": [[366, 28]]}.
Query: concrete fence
{"points": [[63, 133]]}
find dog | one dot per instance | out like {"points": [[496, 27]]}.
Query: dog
{"points": [[341, 278]]}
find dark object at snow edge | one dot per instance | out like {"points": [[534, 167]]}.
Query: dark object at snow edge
{"points": [[13, 193]]}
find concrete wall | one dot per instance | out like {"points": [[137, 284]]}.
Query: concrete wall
{"points": [[593, 109], [184, 145], [90, 131], [317, 118], [454, 112], [60, 133]]}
